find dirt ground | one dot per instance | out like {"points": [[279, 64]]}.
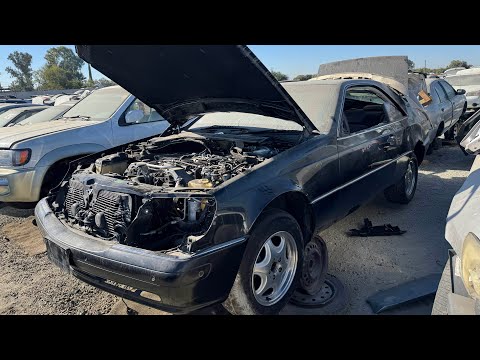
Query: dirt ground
{"points": [[30, 284]]}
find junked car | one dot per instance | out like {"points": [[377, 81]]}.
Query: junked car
{"points": [[17, 114], [34, 158], [446, 108], [50, 113], [459, 288], [8, 106], [220, 208], [468, 80]]}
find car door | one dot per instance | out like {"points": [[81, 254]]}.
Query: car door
{"points": [[150, 124], [458, 101], [446, 110], [370, 140]]}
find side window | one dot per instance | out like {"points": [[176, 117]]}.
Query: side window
{"points": [[149, 114], [363, 109], [448, 89], [440, 93]]}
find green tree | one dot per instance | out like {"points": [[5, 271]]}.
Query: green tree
{"points": [[411, 64], [458, 63], [21, 72], [303, 77], [103, 82], [279, 75], [63, 70]]}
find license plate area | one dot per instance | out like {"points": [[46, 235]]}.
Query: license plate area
{"points": [[58, 255]]}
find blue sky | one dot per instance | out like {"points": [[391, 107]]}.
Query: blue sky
{"points": [[298, 59]]}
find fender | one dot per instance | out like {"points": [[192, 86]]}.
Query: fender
{"points": [[44, 164]]}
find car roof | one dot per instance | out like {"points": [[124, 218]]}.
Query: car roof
{"points": [[15, 105], [18, 110]]}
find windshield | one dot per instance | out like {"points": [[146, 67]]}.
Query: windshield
{"points": [[99, 105], [45, 115], [243, 120], [463, 80], [8, 116]]}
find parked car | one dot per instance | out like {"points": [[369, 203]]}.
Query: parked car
{"points": [[50, 113], [459, 288], [446, 108], [452, 71], [17, 114], [8, 106], [33, 158], [76, 96], [468, 80], [220, 207]]}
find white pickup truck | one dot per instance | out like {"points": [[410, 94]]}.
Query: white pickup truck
{"points": [[34, 158]]}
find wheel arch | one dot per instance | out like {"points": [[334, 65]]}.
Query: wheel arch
{"points": [[50, 161], [419, 151], [297, 205]]}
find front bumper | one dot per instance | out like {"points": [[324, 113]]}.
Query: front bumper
{"points": [[20, 185], [459, 301], [182, 283]]}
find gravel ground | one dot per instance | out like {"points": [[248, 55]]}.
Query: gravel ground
{"points": [[368, 265], [30, 284]]}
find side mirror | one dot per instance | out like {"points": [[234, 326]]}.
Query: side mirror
{"points": [[134, 116], [460, 91]]}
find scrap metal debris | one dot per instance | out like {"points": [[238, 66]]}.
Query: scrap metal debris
{"points": [[381, 230], [404, 293]]}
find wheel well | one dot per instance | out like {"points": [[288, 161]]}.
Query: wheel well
{"points": [[440, 128], [297, 205], [55, 174], [419, 152]]}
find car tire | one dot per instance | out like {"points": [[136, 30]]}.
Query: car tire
{"points": [[404, 191], [444, 288], [452, 132], [274, 228]]}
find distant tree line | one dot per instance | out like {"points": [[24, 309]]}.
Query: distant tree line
{"points": [[453, 64], [62, 70], [411, 66]]}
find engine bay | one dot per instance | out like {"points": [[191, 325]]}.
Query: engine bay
{"points": [[155, 194]]}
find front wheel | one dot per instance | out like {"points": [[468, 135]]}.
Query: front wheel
{"points": [[403, 191], [271, 266]]}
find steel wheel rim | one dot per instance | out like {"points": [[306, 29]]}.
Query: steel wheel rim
{"points": [[409, 179], [274, 268]]}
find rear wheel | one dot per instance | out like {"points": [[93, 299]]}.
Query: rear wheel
{"points": [[451, 134], [271, 266], [403, 191]]}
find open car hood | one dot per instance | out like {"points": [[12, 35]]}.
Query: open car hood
{"points": [[390, 70], [181, 81]]}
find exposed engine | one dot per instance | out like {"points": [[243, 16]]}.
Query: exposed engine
{"points": [[154, 195]]}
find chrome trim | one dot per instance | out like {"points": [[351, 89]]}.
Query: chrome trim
{"points": [[374, 128], [359, 178], [221, 246]]}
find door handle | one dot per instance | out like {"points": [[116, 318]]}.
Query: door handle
{"points": [[391, 143]]}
